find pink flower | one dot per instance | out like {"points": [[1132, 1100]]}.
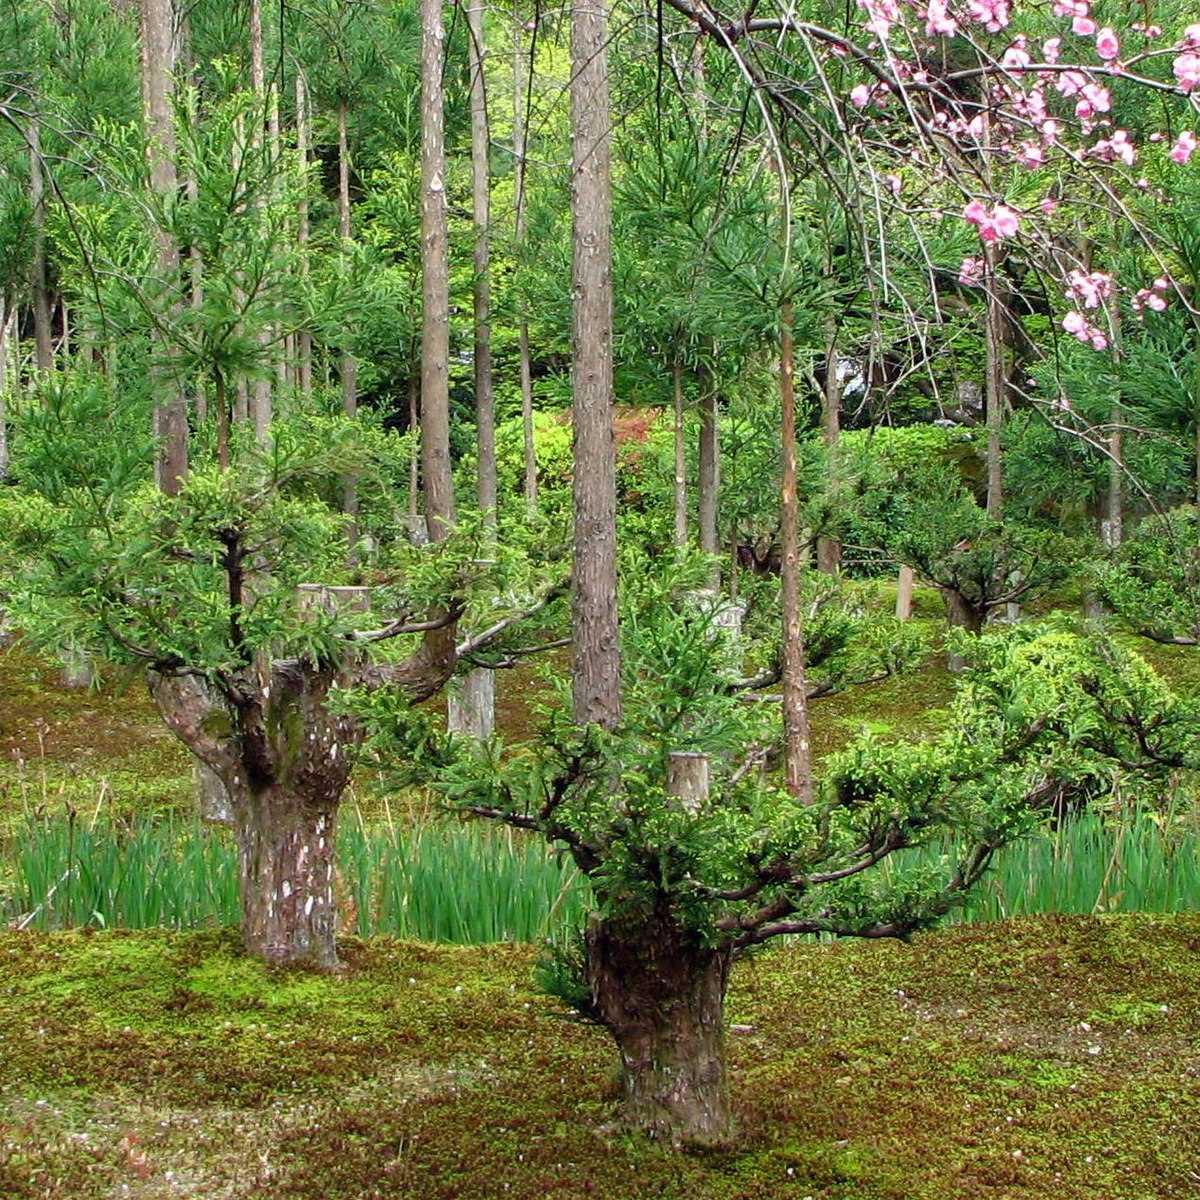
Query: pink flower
{"points": [[1191, 37], [1074, 322], [1083, 26], [1185, 144], [1005, 221], [970, 273], [1049, 206], [1187, 71], [991, 14], [939, 20], [1090, 289], [1050, 49], [975, 213], [1107, 45], [1071, 83], [860, 96], [1016, 57], [1030, 155], [1098, 97]]}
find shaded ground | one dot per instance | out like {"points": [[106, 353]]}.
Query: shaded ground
{"points": [[1049, 1058]]}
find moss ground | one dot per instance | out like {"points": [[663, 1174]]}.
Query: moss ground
{"points": [[1055, 1058]]}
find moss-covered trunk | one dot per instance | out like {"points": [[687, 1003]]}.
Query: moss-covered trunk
{"points": [[661, 994], [285, 852]]}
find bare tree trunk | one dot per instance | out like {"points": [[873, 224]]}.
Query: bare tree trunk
{"points": [[414, 462], [596, 672], [961, 615], [158, 67], [995, 383], [5, 317], [43, 341], [303, 337], [471, 709], [349, 363], [520, 86], [661, 994], [829, 550], [708, 481], [796, 752], [435, 283], [260, 390], [681, 513]]}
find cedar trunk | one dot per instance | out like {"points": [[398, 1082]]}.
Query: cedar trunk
{"points": [[596, 672], [285, 858], [661, 995]]}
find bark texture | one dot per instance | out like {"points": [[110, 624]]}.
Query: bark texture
{"points": [[435, 282], [708, 482], [520, 123], [796, 749], [680, 489], [158, 67], [596, 673], [38, 286], [661, 995]]}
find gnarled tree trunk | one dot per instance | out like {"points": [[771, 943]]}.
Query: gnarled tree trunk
{"points": [[285, 858], [661, 995], [961, 615]]}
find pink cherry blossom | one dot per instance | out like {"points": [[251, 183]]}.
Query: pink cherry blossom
{"points": [[1187, 71], [1030, 155], [938, 19], [1185, 144], [860, 96], [1049, 205], [1005, 221], [1090, 289], [1050, 49], [991, 14], [1107, 45], [970, 273], [1016, 57], [1083, 26]]}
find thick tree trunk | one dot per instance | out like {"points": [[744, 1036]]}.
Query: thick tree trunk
{"points": [[596, 672], [158, 67], [708, 481], [680, 492], [520, 95], [43, 342], [285, 855], [796, 750], [303, 337], [661, 995], [961, 615]]}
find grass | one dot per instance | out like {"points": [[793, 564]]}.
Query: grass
{"points": [[1042, 1059], [431, 882]]}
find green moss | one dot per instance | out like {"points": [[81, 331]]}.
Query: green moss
{"points": [[954, 1068]]}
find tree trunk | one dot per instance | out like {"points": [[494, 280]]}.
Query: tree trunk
{"points": [[681, 513], [285, 856], [796, 751], [43, 342], [158, 67], [995, 383], [471, 707], [829, 550], [661, 995], [4, 321], [260, 391], [303, 337], [349, 363], [435, 283], [596, 672], [961, 615], [708, 482], [414, 461], [520, 96]]}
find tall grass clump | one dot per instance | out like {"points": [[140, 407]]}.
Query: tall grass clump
{"points": [[441, 882], [429, 882]]}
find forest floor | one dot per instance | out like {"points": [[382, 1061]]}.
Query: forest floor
{"points": [[1043, 1058], [1054, 1058]]}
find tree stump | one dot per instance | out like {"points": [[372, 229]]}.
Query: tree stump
{"points": [[687, 780]]}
